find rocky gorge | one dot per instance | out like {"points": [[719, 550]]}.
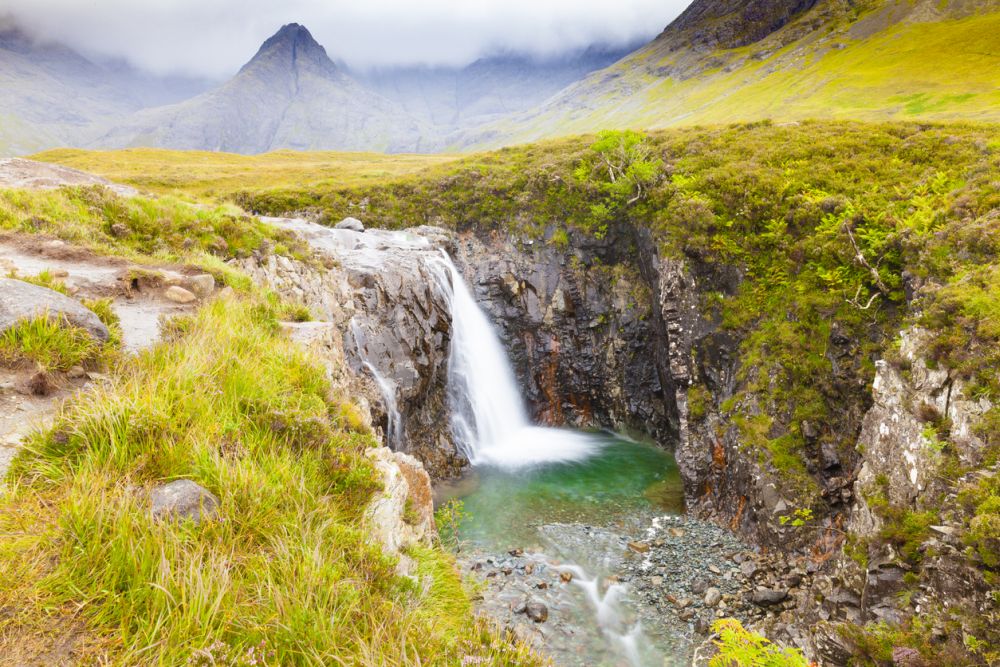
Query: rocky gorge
{"points": [[611, 334]]}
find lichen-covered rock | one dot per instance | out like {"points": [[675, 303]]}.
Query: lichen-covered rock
{"points": [[182, 499], [20, 301], [402, 514]]}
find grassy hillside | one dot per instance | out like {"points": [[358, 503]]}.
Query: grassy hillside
{"points": [[287, 573], [897, 60]]}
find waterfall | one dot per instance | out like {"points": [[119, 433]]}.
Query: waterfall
{"points": [[394, 434], [489, 419]]}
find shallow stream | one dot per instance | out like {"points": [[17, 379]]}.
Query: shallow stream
{"points": [[558, 534]]}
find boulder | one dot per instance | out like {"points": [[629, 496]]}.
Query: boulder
{"points": [[352, 224], [178, 294], [202, 285], [21, 301], [768, 596], [183, 499]]}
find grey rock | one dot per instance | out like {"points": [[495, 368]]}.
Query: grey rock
{"points": [[748, 569], [183, 499], [202, 285], [21, 301], [768, 596], [352, 224], [712, 597]]}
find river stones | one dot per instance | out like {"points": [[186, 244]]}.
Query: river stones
{"points": [[639, 547], [537, 611]]}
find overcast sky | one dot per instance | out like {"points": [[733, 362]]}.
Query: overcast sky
{"points": [[215, 37]]}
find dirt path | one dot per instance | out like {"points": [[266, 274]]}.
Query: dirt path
{"points": [[20, 173], [140, 303]]}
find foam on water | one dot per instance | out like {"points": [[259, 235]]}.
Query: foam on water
{"points": [[489, 419]]}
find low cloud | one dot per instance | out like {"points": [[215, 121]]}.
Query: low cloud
{"points": [[215, 37]]}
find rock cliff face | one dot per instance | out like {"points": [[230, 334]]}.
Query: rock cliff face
{"points": [[382, 294], [586, 341]]}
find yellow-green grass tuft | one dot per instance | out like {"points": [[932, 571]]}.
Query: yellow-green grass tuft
{"points": [[51, 345]]}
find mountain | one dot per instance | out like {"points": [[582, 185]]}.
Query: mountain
{"points": [[743, 60], [487, 89], [289, 95], [52, 96]]}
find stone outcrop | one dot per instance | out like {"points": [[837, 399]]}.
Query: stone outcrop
{"points": [[382, 293], [402, 515], [20, 301]]}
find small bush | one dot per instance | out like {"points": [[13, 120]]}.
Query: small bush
{"points": [[739, 647]]}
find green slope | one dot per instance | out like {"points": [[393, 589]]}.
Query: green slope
{"points": [[925, 59]]}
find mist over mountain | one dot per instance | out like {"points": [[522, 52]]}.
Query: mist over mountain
{"points": [[719, 61], [289, 95], [487, 89], [52, 95]]}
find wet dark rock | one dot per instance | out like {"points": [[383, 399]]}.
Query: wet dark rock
{"points": [[537, 611]]}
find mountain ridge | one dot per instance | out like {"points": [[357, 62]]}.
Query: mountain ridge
{"points": [[827, 59], [281, 98]]}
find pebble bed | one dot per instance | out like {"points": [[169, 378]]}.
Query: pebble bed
{"points": [[680, 574]]}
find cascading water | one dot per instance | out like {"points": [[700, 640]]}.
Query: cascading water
{"points": [[394, 434], [551, 491], [489, 420], [491, 427]]}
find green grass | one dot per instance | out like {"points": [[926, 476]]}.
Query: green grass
{"points": [[49, 344], [209, 175], [143, 229], [286, 570]]}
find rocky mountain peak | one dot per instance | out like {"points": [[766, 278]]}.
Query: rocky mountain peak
{"points": [[293, 46], [734, 23]]}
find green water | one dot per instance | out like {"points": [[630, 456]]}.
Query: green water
{"points": [[624, 481]]}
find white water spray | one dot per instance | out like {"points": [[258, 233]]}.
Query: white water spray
{"points": [[607, 608], [489, 420]]}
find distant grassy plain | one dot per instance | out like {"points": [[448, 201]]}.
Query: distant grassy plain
{"points": [[208, 175]]}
